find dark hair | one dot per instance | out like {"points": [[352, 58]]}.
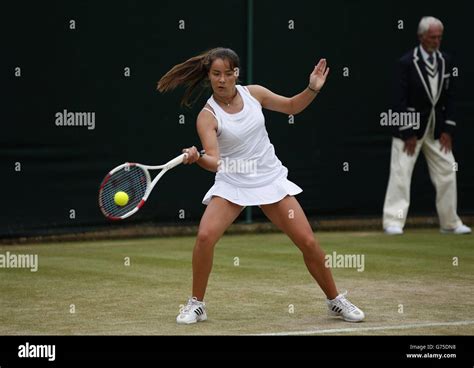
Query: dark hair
{"points": [[193, 73]]}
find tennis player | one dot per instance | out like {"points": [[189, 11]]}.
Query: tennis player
{"points": [[231, 127]]}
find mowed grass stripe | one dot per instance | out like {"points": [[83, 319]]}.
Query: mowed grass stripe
{"points": [[253, 297]]}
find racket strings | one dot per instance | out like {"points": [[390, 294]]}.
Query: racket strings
{"points": [[131, 180]]}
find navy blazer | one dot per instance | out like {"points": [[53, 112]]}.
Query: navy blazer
{"points": [[413, 94]]}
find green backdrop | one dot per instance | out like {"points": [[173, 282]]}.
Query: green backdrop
{"points": [[48, 170]]}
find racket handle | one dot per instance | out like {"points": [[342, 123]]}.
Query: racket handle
{"points": [[178, 160], [201, 153]]}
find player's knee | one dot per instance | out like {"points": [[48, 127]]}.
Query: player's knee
{"points": [[205, 238], [308, 244]]}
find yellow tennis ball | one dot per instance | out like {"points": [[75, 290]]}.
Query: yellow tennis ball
{"points": [[121, 198]]}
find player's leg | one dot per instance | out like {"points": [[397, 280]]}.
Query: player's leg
{"points": [[288, 216], [218, 216], [442, 170], [397, 197]]}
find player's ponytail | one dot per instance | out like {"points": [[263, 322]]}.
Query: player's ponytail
{"points": [[193, 73]]}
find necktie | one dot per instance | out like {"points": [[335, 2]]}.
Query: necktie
{"points": [[430, 59]]}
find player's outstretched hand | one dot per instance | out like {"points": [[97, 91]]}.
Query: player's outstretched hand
{"points": [[318, 76]]}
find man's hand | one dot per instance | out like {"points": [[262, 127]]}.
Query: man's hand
{"points": [[446, 142], [410, 145]]}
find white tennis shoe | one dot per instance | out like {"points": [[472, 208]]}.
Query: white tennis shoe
{"points": [[341, 307], [460, 230], [393, 230], [194, 311]]}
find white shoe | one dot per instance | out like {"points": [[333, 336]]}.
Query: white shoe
{"points": [[460, 230], [342, 307], [394, 230], [194, 311]]}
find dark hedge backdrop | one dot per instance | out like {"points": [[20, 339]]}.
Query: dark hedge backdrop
{"points": [[82, 70]]}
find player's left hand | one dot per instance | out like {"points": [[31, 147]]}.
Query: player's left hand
{"points": [[318, 76], [192, 157], [446, 142]]}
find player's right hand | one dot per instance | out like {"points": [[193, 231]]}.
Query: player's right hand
{"points": [[192, 155]]}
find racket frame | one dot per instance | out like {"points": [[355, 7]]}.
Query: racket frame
{"points": [[149, 183]]}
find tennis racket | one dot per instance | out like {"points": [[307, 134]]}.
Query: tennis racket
{"points": [[134, 180]]}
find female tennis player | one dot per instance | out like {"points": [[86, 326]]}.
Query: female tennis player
{"points": [[231, 127]]}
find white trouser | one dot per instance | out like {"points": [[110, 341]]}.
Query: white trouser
{"points": [[443, 176]]}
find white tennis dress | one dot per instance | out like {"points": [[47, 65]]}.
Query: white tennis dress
{"points": [[249, 172]]}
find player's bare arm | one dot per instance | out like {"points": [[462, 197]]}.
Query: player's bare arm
{"points": [[296, 104], [207, 130]]}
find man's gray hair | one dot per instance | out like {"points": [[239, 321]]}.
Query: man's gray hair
{"points": [[426, 23]]}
